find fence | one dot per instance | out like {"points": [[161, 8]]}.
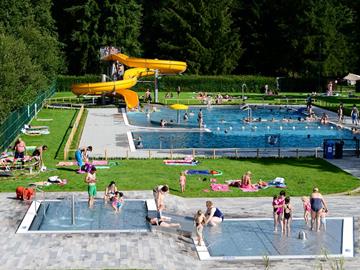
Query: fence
{"points": [[13, 124], [73, 132]]}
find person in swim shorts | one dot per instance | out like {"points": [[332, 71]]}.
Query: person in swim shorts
{"points": [[90, 179], [317, 203]]}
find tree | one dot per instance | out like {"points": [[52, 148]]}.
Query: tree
{"points": [[202, 33], [20, 79], [29, 52], [97, 23]]}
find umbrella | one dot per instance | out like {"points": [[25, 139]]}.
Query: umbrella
{"points": [[178, 107], [352, 78]]}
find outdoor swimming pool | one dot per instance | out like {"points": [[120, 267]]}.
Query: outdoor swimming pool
{"points": [[254, 238], [225, 128], [58, 216]]}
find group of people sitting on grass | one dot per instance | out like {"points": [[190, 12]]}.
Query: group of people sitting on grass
{"points": [[19, 159]]}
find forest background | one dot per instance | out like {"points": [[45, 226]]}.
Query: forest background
{"points": [[40, 39]]}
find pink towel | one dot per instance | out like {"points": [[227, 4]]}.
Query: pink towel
{"points": [[219, 187], [99, 162], [250, 188], [73, 163]]}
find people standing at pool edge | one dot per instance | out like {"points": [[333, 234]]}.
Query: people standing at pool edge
{"points": [[340, 113], [90, 179], [355, 115], [317, 203], [213, 215], [159, 196]]}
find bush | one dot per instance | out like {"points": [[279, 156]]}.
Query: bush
{"points": [[230, 83], [303, 85], [188, 83]]}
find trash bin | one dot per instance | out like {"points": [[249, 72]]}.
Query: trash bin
{"points": [[339, 149], [329, 150]]}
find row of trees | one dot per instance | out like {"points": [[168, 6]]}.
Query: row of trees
{"points": [[270, 37], [300, 38], [30, 54]]}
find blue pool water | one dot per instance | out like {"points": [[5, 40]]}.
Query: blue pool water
{"points": [[225, 128], [58, 216], [256, 238]]}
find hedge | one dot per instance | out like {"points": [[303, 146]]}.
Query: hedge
{"points": [[188, 83], [64, 82], [304, 85]]}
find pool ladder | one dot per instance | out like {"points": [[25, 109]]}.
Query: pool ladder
{"points": [[38, 189], [73, 209]]}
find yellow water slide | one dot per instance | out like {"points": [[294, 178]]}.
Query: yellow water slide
{"points": [[140, 67]]}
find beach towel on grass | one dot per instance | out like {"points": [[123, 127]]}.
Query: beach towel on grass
{"points": [[203, 172], [278, 182], [220, 187], [251, 188], [74, 163]]}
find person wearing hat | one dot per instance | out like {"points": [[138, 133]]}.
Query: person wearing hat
{"points": [[246, 179]]}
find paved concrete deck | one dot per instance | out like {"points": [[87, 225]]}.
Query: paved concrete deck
{"points": [[152, 250]]}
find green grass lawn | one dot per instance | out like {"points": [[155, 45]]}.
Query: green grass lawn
{"points": [[301, 174]]}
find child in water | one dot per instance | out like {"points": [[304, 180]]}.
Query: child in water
{"points": [[307, 209], [199, 219], [288, 212], [182, 181], [323, 214], [118, 201]]}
